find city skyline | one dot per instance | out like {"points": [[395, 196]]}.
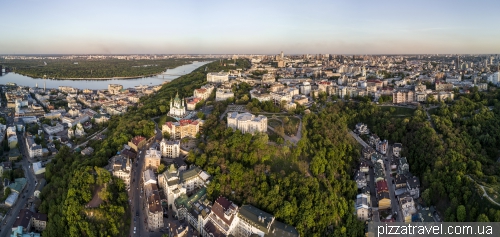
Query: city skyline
{"points": [[218, 27]]}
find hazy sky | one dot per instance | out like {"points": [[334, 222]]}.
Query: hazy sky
{"points": [[257, 27]]}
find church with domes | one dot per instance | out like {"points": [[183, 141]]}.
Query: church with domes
{"points": [[177, 107]]}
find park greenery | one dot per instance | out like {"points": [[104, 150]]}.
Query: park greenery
{"points": [[92, 68], [452, 154]]}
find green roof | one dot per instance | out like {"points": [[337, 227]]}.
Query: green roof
{"points": [[189, 174], [255, 217], [18, 185], [186, 201]]}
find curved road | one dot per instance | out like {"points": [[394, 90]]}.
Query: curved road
{"points": [[485, 193]]}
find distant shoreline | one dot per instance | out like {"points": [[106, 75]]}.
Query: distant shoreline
{"points": [[97, 78]]}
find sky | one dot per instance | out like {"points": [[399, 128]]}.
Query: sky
{"points": [[249, 27]]}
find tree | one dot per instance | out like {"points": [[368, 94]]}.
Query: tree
{"points": [[461, 213], [161, 168], [483, 218]]}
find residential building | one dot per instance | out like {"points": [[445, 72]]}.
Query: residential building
{"points": [[121, 168], [152, 158], [222, 219], [382, 146], [87, 151], [34, 150], [363, 207], [202, 93], [23, 220], [223, 94], [367, 152], [413, 186], [384, 200], [217, 77], [38, 168], [305, 88], [407, 207], [149, 177], [53, 129], [12, 140], [39, 187], [19, 232], [404, 167], [183, 128], [360, 178], [440, 86], [170, 148], [403, 96], [362, 128], [191, 103], [177, 108], [374, 140], [154, 210], [39, 221], [177, 182], [79, 131], [396, 149], [364, 167], [114, 89], [247, 123], [137, 143], [255, 222]]}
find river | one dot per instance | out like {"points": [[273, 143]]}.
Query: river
{"points": [[169, 75]]}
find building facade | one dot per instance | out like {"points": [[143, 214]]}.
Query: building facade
{"points": [[247, 123], [170, 149]]}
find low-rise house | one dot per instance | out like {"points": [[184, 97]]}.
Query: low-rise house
{"points": [[394, 165], [149, 177], [362, 128], [39, 221], [396, 149], [137, 142], [23, 220], [374, 140], [360, 178], [407, 206], [384, 200], [404, 167], [379, 172], [87, 151], [382, 146], [367, 152], [38, 168], [121, 168], [381, 186], [154, 210], [413, 186], [363, 207], [364, 167]]}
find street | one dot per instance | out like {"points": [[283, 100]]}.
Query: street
{"points": [[135, 194], [30, 186], [394, 202]]}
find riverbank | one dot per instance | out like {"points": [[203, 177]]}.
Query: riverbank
{"points": [[102, 82]]}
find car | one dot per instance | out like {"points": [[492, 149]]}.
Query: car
{"points": [[137, 213], [135, 228]]}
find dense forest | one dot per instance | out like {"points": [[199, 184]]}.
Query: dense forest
{"points": [[96, 68]]}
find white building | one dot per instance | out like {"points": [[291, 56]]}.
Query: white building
{"points": [[121, 168], [223, 94], [217, 77], [170, 149], [494, 78], [79, 131], [37, 168], [53, 129], [177, 108], [149, 177], [247, 123], [305, 88]]}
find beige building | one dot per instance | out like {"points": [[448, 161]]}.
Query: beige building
{"points": [[152, 158], [183, 128], [403, 96], [154, 209], [202, 93], [121, 168], [114, 88], [217, 77], [440, 86]]}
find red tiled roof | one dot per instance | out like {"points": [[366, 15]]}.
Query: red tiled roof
{"points": [[169, 124], [201, 90], [138, 139], [219, 208], [382, 186]]}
